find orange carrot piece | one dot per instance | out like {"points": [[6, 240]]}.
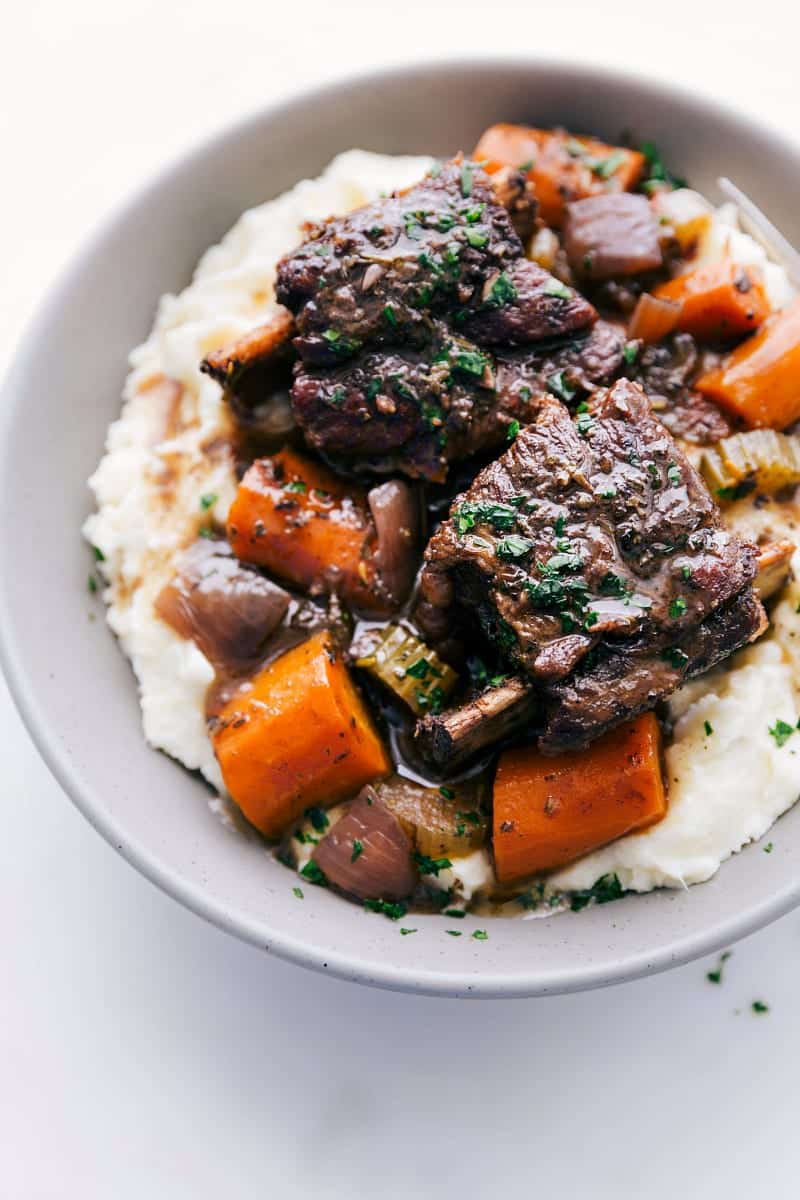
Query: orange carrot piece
{"points": [[560, 166], [300, 736], [760, 381], [719, 300], [549, 811], [295, 518]]}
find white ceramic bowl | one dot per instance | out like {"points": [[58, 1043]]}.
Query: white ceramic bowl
{"points": [[72, 684]]}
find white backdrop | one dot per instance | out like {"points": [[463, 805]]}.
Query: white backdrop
{"points": [[144, 1054]]}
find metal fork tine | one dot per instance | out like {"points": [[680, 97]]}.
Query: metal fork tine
{"points": [[762, 229]]}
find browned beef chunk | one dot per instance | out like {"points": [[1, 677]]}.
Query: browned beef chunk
{"points": [[589, 539], [255, 366], [569, 371], [666, 372], [396, 308]]}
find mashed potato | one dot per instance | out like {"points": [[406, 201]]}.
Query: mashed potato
{"points": [[728, 778]]}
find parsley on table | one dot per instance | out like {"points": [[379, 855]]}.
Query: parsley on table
{"points": [[405, 932], [298, 892], [715, 976], [770, 846], [480, 935], [453, 932], [758, 1006]]}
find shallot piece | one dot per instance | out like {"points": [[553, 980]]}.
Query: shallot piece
{"points": [[367, 854], [612, 235], [396, 511]]}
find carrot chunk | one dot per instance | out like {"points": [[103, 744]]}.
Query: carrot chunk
{"points": [[295, 518], [560, 166], [549, 811], [720, 300], [300, 736], [760, 381]]}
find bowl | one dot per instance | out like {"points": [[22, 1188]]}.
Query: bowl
{"points": [[75, 690]]}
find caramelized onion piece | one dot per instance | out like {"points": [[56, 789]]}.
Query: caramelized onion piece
{"points": [[396, 511], [612, 235], [367, 853], [653, 319], [443, 821], [226, 608]]}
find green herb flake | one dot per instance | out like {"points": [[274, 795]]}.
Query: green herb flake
{"points": [[715, 976], [453, 932], [98, 554], [607, 889], [513, 546], [558, 384], [296, 485], [554, 287], [466, 179], [480, 935], [674, 475], [477, 238], [770, 846], [675, 657], [430, 866], [584, 423], [92, 584], [405, 932], [318, 818], [314, 874], [208, 501], [390, 315], [447, 792], [758, 1006], [503, 291], [512, 431], [708, 728], [606, 167], [298, 892], [781, 732], [501, 517], [358, 850], [677, 607], [458, 913], [394, 910], [686, 572]]}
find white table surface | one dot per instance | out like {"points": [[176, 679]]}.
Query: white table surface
{"points": [[145, 1054]]}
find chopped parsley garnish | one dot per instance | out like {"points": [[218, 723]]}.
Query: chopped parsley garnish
{"points": [[205, 532], [758, 1006], [781, 732], [458, 913], [393, 909], [98, 554], [657, 174], [358, 850], [708, 728], [466, 179], [472, 362], [314, 874], [92, 584], [674, 474], [318, 818], [405, 932], [208, 501], [453, 932], [607, 888], [630, 352], [513, 546], [605, 167], [304, 838], [474, 214], [500, 516], [607, 493], [770, 846], [477, 238], [559, 525], [564, 562], [503, 291], [332, 336], [677, 607], [512, 431], [715, 976], [686, 572], [430, 866], [419, 669], [473, 817], [584, 423], [297, 485], [557, 384], [736, 491], [613, 585], [447, 792], [675, 657], [554, 287], [445, 223], [298, 892], [390, 316], [480, 935]]}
